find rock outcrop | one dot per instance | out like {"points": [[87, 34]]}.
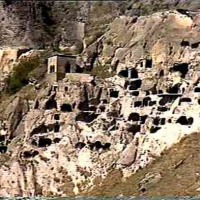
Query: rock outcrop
{"points": [[78, 129]]}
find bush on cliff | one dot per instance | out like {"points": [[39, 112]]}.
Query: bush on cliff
{"points": [[19, 77]]}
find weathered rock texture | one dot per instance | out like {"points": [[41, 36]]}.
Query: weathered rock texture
{"points": [[79, 129]]}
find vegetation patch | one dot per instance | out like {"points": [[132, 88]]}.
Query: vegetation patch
{"points": [[20, 75], [102, 71]]}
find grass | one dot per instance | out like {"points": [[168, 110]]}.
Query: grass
{"points": [[19, 77], [178, 166], [102, 71]]}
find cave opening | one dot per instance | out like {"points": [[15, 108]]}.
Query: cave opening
{"points": [[66, 89], [40, 129], [102, 108], [114, 94], [133, 73], [44, 142], [3, 149], [86, 117], [161, 74], [135, 93], [56, 140], [185, 43], [156, 121], [56, 128], [66, 108], [152, 103], [137, 104], [185, 100], [83, 105], [134, 128], [182, 120], [92, 108], [163, 121], [106, 146], [134, 117], [123, 73], [56, 117], [143, 119], [195, 45], [134, 85], [148, 63], [50, 104], [146, 101], [162, 108], [80, 145], [197, 89], [163, 101], [183, 68], [154, 129], [190, 120], [174, 89]]}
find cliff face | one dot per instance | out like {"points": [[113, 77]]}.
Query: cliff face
{"points": [[66, 137], [42, 24], [45, 23]]}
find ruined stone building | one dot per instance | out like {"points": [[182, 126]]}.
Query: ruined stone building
{"points": [[58, 65]]}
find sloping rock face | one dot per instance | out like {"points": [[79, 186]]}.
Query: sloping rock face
{"points": [[79, 129], [50, 24]]}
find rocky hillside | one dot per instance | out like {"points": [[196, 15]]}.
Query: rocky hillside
{"points": [[135, 95]]}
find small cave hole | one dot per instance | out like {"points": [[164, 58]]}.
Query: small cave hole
{"points": [[123, 73], [56, 117], [185, 43], [146, 101], [133, 73], [56, 140], [137, 104], [80, 145], [50, 104], [143, 119], [114, 94], [195, 45], [156, 121], [161, 74], [148, 63], [86, 117], [134, 128], [162, 109], [154, 129], [44, 142], [197, 89], [66, 108], [135, 93], [134, 117], [56, 128], [183, 68], [134, 85], [106, 146]]}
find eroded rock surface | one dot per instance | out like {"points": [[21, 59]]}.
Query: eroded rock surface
{"points": [[78, 129]]}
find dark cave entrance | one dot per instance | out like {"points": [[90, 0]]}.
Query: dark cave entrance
{"points": [[183, 68], [134, 117], [66, 108], [50, 104]]}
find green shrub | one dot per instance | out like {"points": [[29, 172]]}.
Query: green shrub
{"points": [[102, 71], [19, 77]]}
